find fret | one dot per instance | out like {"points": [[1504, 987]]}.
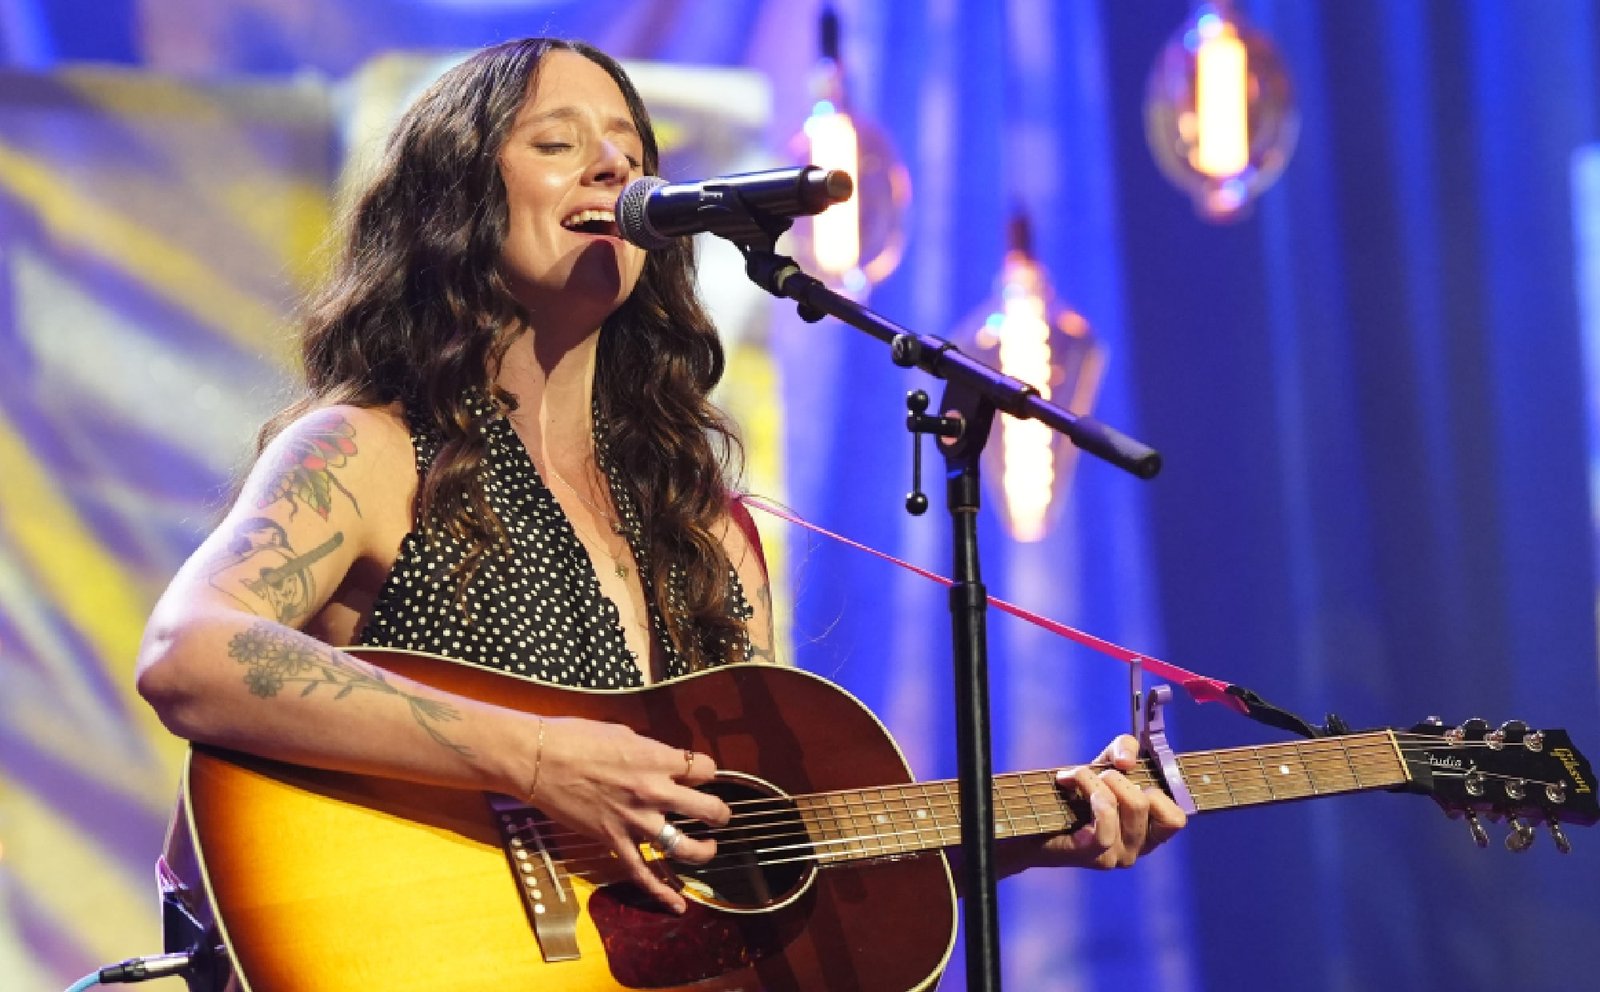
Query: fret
{"points": [[891, 820], [1022, 800], [1261, 770], [885, 837], [898, 811], [1051, 813], [949, 813], [846, 841], [1004, 825], [1350, 766], [1329, 764], [1208, 786], [930, 832], [1287, 776], [1297, 770], [860, 823], [817, 825], [915, 821]]}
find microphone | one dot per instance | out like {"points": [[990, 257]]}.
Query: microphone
{"points": [[651, 211]]}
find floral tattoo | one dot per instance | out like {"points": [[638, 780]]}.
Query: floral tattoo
{"points": [[277, 657]]}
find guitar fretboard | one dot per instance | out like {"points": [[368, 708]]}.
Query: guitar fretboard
{"points": [[884, 822]]}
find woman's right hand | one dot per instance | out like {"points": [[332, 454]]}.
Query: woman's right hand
{"points": [[616, 786]]}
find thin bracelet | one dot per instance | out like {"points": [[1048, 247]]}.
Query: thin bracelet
{"points": [[538, 759]]}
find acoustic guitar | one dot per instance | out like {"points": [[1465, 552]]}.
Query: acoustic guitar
{"points": [[828, 876]]}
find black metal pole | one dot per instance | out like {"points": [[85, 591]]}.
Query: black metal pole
{"points": [[968, 608]]}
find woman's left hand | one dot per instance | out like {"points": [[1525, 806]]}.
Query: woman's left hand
{"points": [[1127, 821]]}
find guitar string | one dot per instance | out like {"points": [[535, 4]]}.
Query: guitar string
{"points": [[1224, 762], [874, 846], [792, 820], [877, 844], [790, 817], [1145, 778]]}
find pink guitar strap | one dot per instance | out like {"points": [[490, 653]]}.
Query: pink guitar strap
{"points": [[741, 516], [1201, 688]]}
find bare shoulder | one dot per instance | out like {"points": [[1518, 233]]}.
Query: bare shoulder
{"points": [[749, 564], [329, 491]]}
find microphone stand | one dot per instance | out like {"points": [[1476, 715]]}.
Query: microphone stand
{"points": [[973, 393]]}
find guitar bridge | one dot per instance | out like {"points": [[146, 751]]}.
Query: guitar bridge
{"points": [[546, 896]]}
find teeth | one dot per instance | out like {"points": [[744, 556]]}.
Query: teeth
{"points": [[589, 217]]}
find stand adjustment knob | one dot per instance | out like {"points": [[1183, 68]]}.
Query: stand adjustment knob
{"points": [[919, 423]]}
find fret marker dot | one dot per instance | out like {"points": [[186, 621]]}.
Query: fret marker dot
{"points": [[1283, 769], [922, 814]]}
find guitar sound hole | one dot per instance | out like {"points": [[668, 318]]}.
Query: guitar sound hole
{"points": [[764, 855]]}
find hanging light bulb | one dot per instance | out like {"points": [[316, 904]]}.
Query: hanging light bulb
{"points": [[1219, 111], [853, 245], [1023, 331]]}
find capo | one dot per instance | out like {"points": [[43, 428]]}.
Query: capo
{"points": [[1150, 727]]}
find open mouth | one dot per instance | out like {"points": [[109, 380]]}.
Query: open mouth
{"points": [[597, 222]]}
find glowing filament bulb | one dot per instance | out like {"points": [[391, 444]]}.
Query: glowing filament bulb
{"points": [[1027, 446], [837, 230], [1222, 101]]}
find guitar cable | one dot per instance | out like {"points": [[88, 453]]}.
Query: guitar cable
{"points": [[148, 967], [200, 963]]}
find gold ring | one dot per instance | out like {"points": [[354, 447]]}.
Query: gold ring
{"points": [[688, 762]]}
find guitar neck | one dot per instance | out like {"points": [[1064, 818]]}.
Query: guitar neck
{"points": [[859, 824]]}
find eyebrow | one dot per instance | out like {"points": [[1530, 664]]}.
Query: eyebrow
{"points": [[613, 125]]}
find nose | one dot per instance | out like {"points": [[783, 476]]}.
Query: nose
{"points": [[610, 165]]}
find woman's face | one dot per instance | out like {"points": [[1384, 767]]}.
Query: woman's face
{"points": [[572, 149]]}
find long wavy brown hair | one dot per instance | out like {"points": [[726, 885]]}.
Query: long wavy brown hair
{"points": [[417, 310]]}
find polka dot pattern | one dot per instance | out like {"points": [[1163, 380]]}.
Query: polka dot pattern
{"points": [[534, 608]]}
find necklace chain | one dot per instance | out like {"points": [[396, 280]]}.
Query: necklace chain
{"points": [[613, 521]]}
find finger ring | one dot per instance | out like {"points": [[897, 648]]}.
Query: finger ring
{"points": [[667, 839], [688, 762]]}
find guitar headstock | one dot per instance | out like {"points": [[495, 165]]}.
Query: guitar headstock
{"points": [[1512, 773]]}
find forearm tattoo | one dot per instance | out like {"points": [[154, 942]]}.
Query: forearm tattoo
{"points": [[276, 657]]}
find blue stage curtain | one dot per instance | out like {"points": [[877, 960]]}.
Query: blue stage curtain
{"points": [[1371, 399]]}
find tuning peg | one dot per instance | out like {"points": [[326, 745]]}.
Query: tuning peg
{"points": [[1480, 836], [1559, 836], [1521, 836]]}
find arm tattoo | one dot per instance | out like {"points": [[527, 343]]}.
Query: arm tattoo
{"points": [[305, 470], [277, 657], [770, 652], [259, 561]]}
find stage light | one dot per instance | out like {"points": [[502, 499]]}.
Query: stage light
{"points": [[1219, 111], [854, 245], [1024, 331]]}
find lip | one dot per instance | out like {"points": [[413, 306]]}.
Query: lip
{"points": [[612, 235]]}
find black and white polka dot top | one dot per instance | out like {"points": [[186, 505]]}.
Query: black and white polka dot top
{"points": [[532, 609]]}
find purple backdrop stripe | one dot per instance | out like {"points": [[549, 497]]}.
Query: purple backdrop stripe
{"points": [[72, 570]]}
